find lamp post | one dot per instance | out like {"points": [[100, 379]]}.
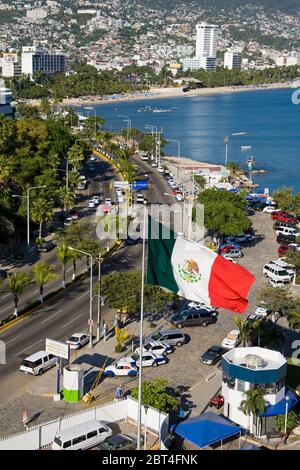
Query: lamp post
{"points": [[91, 293], [226, 141], [286, 413], [100, 302], [146, 407], [27, 197], [128, 120], [150, 127]]}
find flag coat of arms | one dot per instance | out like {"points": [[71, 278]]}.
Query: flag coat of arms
{"points": [[195, 272]]}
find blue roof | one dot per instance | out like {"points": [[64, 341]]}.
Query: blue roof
{"points": [[280, 407], [206, 429]]}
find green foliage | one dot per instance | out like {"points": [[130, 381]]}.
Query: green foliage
{"points": [[292, 420], [284, 198], [276, 298], [16, 283], [128, 286], [64, 256], [244, 327], [254, 401], [155, 394], [43, 274], [294, 315], [224, 212]]}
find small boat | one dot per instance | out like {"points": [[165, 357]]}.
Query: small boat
{"points": [[246, 147], [239, 133], [161, 110]]}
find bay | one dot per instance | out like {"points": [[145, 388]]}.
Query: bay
{"points": [[269, 118]]}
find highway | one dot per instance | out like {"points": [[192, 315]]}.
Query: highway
{"points": [[68, 311]]}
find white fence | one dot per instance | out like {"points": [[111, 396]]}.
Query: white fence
{"points": [[42, 435]]}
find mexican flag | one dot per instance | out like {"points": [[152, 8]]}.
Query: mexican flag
{"points": [[195, 272]]}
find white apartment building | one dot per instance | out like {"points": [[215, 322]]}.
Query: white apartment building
{"points": [[206, 40], [34, 59], [288, 60], [36, 14], [196, 63], [6, 98], [232, 60]]}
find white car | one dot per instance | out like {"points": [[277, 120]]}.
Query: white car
{"points": [[157, 347], [261, 310], [287, 231], [154, 164], [149, 359], [92, 203], [160, 169], [108, 201], [93, 158], [231, 340], [270, 209], [77, 340], [96, 199], [228, 257], [179, 197], [234, 253], [121, 368]]}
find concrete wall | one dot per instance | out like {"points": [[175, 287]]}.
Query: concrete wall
{"points": [[41, 436]]}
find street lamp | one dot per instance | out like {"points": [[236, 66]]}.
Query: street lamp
{"points": [[100, 301], [146, 408], [150, 127], [28, 209], [286, 413], [91, 293], [128, 120]]}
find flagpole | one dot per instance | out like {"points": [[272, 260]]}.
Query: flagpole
{"points": [[139, 420]]}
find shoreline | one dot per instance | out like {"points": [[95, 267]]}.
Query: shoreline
{"points": [[162, 93]]}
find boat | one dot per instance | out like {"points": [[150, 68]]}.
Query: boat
{"points": [[246, 147], [239, 133], [161, 110]]}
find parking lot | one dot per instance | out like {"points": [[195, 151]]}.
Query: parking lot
{"points": [[184, 366]]}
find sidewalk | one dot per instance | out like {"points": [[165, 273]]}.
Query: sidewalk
{"points": [[202, 392]]}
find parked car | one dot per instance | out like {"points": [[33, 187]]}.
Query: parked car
{"points": [[119, 442], [270, 210], [74, 214], [261, 310], [38, 363], [217, 401], [121, 368], [276, 273], [45, 247], [92, 204], [82, 436], [231, 340], [108, 201], [229, 247], [226, 256], [149, 359], [194, 317], [290, 268], [284, 249], [212, 355], [279, 225], [93, 158], [283, 217], [172, 336], [287, 231], [78, 340], [96, 199], [233, 253], [91, 168], [156, 347]]}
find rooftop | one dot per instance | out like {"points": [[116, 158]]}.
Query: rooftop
{"points": [[255, 358]]}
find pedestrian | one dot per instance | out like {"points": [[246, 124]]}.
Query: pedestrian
{"points": [[25, 417], [122, 390], [118, 393]]}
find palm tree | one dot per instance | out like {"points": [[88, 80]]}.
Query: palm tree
{"points": [[245, 329], [294, 316], [253, 404], [43, 273], [41, 212], [66, 198], [64, 255], [16, 283]]}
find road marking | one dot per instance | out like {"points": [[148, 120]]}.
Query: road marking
{"points": [[82, 295], [29, 347], [49, 318], [10, 307], [6, 295], [72, 320], [7, 342]]}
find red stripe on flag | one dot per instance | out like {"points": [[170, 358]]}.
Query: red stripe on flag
{"points": [[229, 285]]}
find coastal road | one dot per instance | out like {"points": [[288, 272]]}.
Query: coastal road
{"points": [[68, 311]]}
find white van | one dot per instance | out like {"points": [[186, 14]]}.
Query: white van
{"points": [[276, 273], [82, 436], [287, 231], [38, 363], [284, 265]]}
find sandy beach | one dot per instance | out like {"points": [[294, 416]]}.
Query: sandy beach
{"points": [[159, 93]]}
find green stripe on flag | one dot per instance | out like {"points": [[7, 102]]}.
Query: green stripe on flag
{"points": [[159, 269]]}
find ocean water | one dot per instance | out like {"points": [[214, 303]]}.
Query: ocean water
{"points": [[269, 118]]}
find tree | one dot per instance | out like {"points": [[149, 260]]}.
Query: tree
{"points": [[64, 255], [224, 212], [292, 420], [41, 212], [277, 299], [253, 404], [294, 316], [43, 273], [16, 283], [244, 328], [284, 198], [128, 286], [66, 198], [201, 181], [155, 394]]}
